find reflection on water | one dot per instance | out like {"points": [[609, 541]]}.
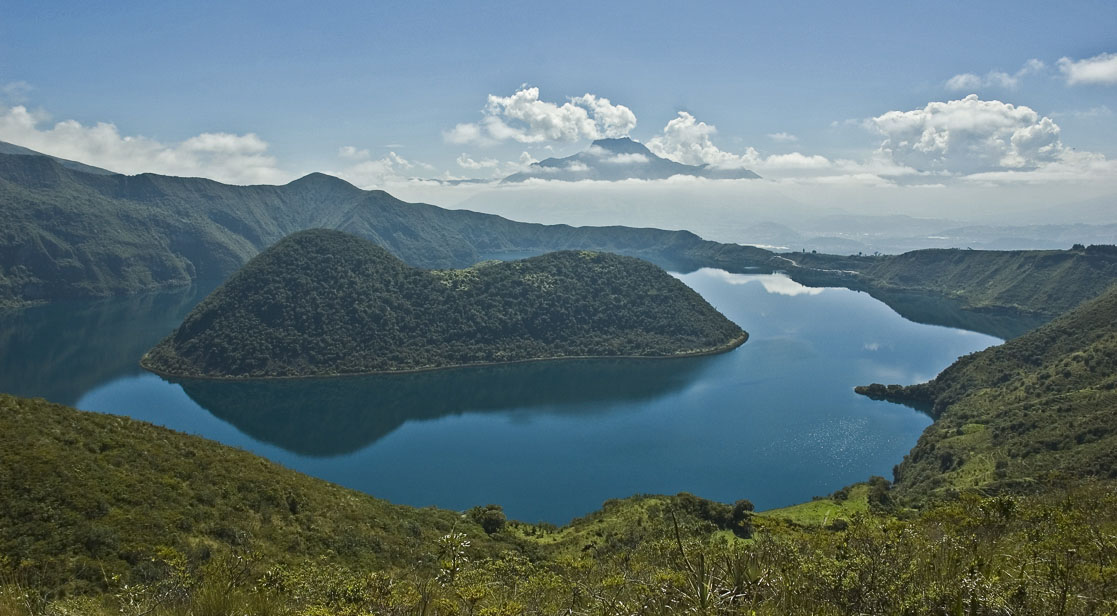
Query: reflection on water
{"points": [[775, 421], [327, 417], [60, 351]]}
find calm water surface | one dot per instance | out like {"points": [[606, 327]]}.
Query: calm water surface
{"points": [[775, 421]]}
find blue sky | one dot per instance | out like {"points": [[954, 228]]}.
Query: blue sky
{"points": [[285, 86]]}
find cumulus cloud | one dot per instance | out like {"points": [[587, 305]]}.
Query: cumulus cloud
{"points": [[689, 141], [523, 117], [995, 79], [1100, 69], [968, 136], [226, 157]]}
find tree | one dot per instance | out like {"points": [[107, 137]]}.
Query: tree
{"points": [[490, 517]]}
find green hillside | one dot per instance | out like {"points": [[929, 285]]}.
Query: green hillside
{"points": [[1041, 404], [1041, 282], [322, 303], [87, 497], [72, 234], [106, 515]]}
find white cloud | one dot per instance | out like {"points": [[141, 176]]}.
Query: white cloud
{"points": [[1100, 69], [968, 136], [226, 157], [465, 162], [375, 173], [352, 153], [690, 142], [994, 79], [634, 158], [964, 81], [523, 117], [15, 92], [782, 137], [463, 133]]}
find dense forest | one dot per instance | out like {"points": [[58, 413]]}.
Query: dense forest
{"points": [[322, 303], [107, 515]]}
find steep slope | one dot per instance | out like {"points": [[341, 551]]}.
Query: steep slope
{"points": [[620, 159], [1010, 415], [87, 496], [324, 302]]}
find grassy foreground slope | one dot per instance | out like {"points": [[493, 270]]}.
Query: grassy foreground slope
{"points": [[105, 515], [87, 498], [1043, 403], [321, 303]]}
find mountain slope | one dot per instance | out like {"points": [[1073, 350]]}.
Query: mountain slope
{"points": [[88, 496], [324, 302], [69, 234], [620, 159], [1042, 403]]}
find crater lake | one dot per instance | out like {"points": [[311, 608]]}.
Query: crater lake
{"points": [[775, 421]]}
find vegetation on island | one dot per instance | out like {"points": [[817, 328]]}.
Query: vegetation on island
{"points": [[106, 515], [324, 303], [1041, 405]]}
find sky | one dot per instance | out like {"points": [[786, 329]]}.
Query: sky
{"points": [[929, 109]]}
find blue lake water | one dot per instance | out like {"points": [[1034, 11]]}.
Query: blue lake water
{"points": [[775, 421]]}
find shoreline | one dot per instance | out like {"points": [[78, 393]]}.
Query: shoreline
{"points": [[724, 348]]}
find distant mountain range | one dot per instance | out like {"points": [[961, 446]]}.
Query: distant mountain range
{"points": [[620, 159]]}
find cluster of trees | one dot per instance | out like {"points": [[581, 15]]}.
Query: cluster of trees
{"points": [[325, 302]]}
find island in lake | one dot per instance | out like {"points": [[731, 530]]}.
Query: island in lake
{"points": [[325, 303]]}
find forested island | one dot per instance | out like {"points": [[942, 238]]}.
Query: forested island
{"points": [[324, 303]]}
